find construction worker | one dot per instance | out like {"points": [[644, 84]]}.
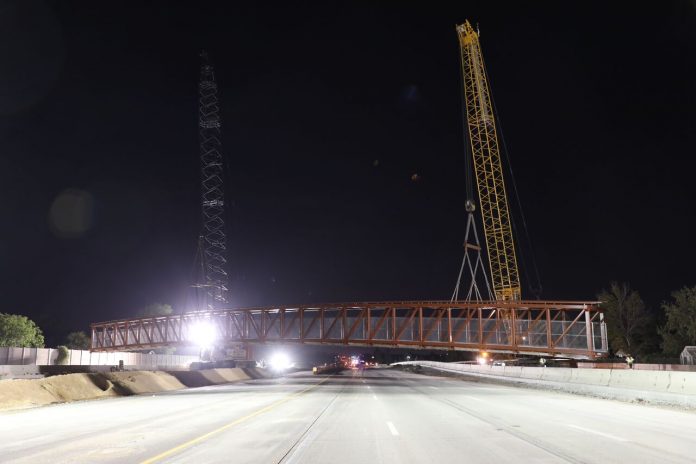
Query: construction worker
{"points": [[629, 361]]}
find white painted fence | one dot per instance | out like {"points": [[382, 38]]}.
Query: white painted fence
{"points": [[47, 357]]}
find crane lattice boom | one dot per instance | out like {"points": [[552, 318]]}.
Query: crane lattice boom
{"points": [[488, 168]]}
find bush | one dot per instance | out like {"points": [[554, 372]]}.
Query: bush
{"points": [[63, 355], [78, 341]]}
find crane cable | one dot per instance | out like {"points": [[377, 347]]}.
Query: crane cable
{"points": [[465, 139], [537, 291], [470, 204]]}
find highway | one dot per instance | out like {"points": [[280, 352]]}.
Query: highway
{"points": [[371, 416]]}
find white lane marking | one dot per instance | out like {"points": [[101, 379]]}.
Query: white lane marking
{"points": [[475, 399], [392, 429], [434, 388], [374, 396], [613, 437]]}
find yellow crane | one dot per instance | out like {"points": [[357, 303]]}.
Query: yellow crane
{"points": [[488, 170]]}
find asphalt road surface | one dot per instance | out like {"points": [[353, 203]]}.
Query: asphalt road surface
{"points": [[371, 416]]}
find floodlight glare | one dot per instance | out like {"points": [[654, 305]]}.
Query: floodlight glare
{"points": [[483, 358], [202, 333], [280, 362]]}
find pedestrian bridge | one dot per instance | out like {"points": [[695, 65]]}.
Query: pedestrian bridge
{"points": [[549, 328]]}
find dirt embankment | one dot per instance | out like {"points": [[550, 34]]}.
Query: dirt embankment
{"points": [[17, 394]]}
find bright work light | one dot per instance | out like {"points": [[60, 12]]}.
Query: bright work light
{"points": [[280, 362], [202, 333]]}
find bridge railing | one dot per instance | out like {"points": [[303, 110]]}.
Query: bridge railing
{"points": [[574, 329]]}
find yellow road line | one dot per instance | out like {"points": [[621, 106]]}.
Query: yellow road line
{"points": [[205, 436]]}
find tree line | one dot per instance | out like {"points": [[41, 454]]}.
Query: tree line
{"points": [[633, 329]]}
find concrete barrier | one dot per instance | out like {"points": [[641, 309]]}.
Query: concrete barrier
{"points": [[637, 366], [658, 386], [561, 374], [589, 376], [683, 383]]}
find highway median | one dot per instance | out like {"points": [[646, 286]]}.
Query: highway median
{"points": [[669, 388]]}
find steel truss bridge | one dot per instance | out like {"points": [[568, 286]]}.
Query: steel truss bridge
{"points": [[547, 328]]}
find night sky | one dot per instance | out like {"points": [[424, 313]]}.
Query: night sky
{"points": [[328, 109]]}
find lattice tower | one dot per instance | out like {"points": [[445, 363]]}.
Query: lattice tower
{"points": [[212, 189]]}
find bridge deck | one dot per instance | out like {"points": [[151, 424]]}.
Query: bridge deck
{"points": [[552, 328]]}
